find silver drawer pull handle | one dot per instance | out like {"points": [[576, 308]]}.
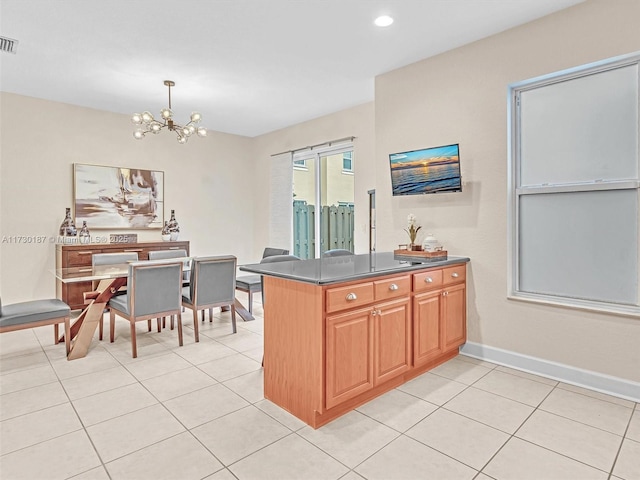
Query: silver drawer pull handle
{"points": [[445, 293], [374, 313], [85, 253], [428, 280], [455, 275], [352, 296], [393, 287]]}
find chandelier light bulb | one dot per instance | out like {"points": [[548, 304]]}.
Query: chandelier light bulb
{"points": [[383, 21], [148, 124]]}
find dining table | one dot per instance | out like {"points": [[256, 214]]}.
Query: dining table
{"points": [[109, 278]]}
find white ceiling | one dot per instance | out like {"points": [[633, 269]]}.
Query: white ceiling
{"points": [[249, 66]]}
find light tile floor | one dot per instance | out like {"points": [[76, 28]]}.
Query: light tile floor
{"points": [[198, 411]]}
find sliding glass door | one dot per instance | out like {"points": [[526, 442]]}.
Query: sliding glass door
{"points": [[323, 200]]}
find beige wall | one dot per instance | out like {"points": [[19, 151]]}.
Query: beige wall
{"points": [[461, 97], [208, 183]]}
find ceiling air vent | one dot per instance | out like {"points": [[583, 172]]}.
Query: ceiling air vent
{"points": [[8, 45]]}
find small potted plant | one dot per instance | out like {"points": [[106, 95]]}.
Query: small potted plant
{"points": [[412, 230]]}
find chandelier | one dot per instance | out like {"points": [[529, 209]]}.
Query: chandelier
{"points": [[149, 124]]}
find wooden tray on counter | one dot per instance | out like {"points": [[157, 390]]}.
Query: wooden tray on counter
{"points": [[419, 255]]}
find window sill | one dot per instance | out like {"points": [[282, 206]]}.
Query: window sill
{"points": [[578, 304]]}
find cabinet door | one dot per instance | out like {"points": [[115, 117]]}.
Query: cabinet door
{"points": [[454, 316], [427, 332], [392, 339], [349, 357]]}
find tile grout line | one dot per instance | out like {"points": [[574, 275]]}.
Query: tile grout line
{"points": [[624, 437]]}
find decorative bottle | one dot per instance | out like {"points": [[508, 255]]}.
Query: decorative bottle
{"points": [[85, 236], [166, 234], [68, 228], [174, 228]]}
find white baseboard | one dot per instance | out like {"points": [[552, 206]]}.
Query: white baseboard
{"points": [[599, 382]]}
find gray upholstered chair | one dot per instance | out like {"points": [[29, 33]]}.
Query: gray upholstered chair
{"points": [[251, 284], [337, 252], [37, 313], [98, 259], [154, 291], [213, 281]]}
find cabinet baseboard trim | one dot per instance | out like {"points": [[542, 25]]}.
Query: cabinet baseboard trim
{"points": [[599, 382]]}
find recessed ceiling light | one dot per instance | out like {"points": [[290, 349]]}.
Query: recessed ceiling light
{"points": [[383, 21]]}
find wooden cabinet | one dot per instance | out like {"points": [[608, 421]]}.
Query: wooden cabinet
{"points": [[331, 348], [366, 347], [80, 256], [349, 355], [439, 314]]}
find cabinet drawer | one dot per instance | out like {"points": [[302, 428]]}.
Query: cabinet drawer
{"points": [[427, 280], [341, 298], [81, 258], [392, 287], [455, 274]]}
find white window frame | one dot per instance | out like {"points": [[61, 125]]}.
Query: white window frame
{"points": [[515, 191], [347, 171]]}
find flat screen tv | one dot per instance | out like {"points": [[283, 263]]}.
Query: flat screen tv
{"points": [[430, 170]]}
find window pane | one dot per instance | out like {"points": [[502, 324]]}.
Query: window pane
{"points": [[580, 130], [580, 245]]}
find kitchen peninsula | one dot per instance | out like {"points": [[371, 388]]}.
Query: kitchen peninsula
{"points": [[340, 331]]}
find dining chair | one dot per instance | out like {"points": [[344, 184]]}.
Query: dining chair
{"points": [[212, 285], [337, 252], [251, 284], [154, 291], [98, 259], [37, 313]]}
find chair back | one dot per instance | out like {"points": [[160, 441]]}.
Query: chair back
{"points": [[162, 254], [113, 258], [270, 251], [337, 252], [213, 280], [279, 258], [154, 288]]}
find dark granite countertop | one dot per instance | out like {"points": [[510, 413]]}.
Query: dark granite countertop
{"points": [[344, 269]]}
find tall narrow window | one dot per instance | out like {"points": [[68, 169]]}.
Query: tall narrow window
{"points": [[574, 188]]}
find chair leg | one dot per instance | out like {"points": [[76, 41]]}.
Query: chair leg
{"points": [[56, 337], [67, 335], [112, 325], [101, 327], [172, 322], [149, 324], [159, 324], [196, 332], [164, 322], [134, 345], [210, 315], [233, 317], [180, 328], [202, 312], [250, 301]]}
